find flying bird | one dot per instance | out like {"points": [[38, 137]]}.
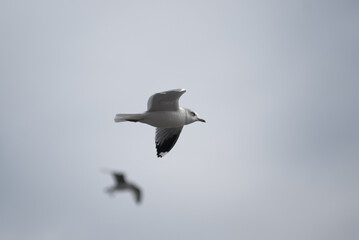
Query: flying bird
{"points": [[164, 113], [122, 184]]}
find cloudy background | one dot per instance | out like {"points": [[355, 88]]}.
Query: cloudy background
{"points": [[277, 82]]}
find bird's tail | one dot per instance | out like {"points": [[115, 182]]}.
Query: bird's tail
{"points": [[128, 117]]}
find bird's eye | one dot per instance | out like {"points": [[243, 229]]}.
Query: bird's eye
{"points": [[193, 114]]}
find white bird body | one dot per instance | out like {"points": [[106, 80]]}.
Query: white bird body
{"points": [[166, 119], [161, 119], [164, 113]]}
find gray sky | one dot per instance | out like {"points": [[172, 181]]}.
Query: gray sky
{"points": [[277, 82]]}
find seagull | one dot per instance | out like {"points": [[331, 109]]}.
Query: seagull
{"points": [[164, 113], [121, 184]]}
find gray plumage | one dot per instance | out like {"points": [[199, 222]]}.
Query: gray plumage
{"points": [[164, 113], [121, 184]]}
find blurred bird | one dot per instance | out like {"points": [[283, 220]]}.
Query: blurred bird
{"points": [[122, 184], [164, 113]]}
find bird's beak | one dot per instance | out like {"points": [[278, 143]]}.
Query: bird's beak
{"points": [[201, 120]]}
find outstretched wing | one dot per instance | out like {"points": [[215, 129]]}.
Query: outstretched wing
{"points": [[166, 138], [165, 101], [119, 178], [137, 192]]}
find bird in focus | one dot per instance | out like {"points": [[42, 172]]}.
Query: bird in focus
{"points": [[121, 184], [164, 113]]}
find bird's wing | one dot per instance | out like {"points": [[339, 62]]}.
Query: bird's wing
{"points": [[165, 101], [137, 192], [166, 138], [119, 177]]}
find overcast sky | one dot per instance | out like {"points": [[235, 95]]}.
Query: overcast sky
{"points": [[277, 82]]}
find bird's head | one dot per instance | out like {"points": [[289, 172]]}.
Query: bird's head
{"points": [[191, 117]]}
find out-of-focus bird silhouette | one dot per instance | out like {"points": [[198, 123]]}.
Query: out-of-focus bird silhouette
{"points": [[121, 184]]}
